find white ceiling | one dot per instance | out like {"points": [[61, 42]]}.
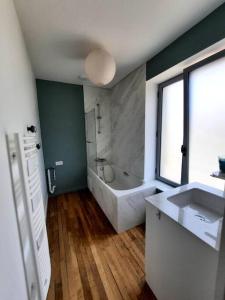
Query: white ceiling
{"points": [[60, 33]]}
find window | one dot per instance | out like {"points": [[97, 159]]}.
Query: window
{"points": [[191, 112], [206, 121], [171, 130]]}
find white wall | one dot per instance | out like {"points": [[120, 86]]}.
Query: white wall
{"points": [[150, 130], [18, 107]]}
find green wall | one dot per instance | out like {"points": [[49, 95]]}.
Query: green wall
{"points": [[207, 32], [61, 109]]}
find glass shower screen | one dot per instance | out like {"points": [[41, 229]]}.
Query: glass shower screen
{"points": [[90, 126]]}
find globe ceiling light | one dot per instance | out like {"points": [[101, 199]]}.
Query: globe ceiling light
{"points": [[100, 67]]}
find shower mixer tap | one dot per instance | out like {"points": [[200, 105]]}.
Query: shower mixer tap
{"points": [[99, 117]]}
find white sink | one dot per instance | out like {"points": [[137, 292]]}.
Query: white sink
{"points": [[196, 207], [205, 206]]}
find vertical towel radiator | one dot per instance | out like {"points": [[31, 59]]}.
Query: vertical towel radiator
{"points": [[28, 199]]}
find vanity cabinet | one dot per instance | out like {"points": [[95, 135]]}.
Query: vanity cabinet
{"points": [[178, 265]]}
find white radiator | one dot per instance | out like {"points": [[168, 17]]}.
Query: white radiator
{"points": [[23, 155]]}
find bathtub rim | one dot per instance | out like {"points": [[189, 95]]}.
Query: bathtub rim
{"points": [[119, 193]]}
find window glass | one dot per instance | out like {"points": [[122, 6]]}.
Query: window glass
{"points": [[172, 132], [207, 122]]}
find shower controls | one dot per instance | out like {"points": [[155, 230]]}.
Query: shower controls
{"points": [[99, 117]]}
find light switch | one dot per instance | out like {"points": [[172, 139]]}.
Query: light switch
{"points": [[59, 163]]}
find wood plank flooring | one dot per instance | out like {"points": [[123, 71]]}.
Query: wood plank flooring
{"points": [[89, 260]]}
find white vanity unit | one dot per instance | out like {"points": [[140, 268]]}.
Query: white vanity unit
{"points": [[183, 235]]}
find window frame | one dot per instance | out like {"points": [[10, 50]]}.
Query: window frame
{"points": [[185, 76]]}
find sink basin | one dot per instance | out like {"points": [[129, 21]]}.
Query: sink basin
{"points": [[196, 207], [198, 199]]}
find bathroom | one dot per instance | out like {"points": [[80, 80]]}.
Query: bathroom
{"points": [[112, 150]]}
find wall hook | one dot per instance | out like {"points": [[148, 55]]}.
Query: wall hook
{"points": [[32, 128]]}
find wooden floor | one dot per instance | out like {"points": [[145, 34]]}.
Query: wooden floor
{"points": [[89, 260]]}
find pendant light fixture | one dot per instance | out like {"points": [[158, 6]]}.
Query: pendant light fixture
{"points": [[100, 67]]}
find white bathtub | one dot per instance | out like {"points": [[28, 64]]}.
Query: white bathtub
{"points": [[122, 200]]}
